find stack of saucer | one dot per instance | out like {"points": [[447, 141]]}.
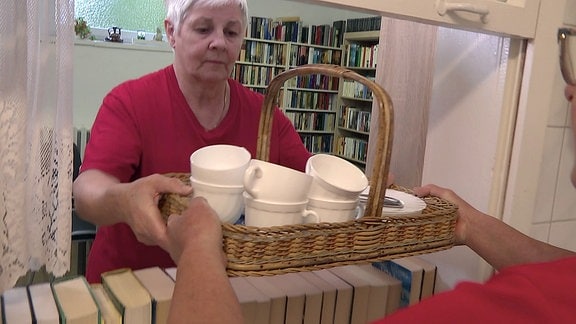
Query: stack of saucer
{"points": [[409, 205]]}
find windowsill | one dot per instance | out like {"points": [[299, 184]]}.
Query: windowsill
{"points": [[141, 45]]}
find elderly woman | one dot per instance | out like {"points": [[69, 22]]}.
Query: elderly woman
{"points": [[151, 125]]}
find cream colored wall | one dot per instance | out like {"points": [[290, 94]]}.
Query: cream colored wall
{"points": [[99, 66]]}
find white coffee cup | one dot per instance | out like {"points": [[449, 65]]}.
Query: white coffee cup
{"points": [[227, 201], [334, 211], [267, 214], [275, 183], [220, 164], [334, 178]]}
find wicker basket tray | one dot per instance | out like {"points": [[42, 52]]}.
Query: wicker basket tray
{"points": [[374, 237]]}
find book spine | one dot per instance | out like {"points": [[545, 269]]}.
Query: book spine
{"points": [[400, 273], [119, 306]]}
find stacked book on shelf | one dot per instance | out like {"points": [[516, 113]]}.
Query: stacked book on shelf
{"points": [[314, 82], [292, 29], [361, 56], [352, 148], [318, 143], [363, 24], [262, 52], [311, 121], [306, 99], [347, 294], [356, 90], [355, 119]]}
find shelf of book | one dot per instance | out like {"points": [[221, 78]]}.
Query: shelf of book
{"points": [[354, 107], [308, 101]]}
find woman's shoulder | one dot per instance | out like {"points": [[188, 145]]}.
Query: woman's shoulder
{"points": [[153, 81], [243, 93]]}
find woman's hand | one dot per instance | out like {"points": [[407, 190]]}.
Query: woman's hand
{"points": [[140, 200], [465, 210], [102, 199]]}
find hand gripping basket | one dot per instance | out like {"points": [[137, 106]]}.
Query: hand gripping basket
{"points": [[304, 247]]}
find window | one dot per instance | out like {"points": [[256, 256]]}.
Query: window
{"points": [[133, 15]]}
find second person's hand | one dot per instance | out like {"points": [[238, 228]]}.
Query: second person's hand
{"points": [[141, 211], [465, 210]]}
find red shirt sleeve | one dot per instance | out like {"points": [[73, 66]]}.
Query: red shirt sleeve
{"points": [[532, 293]]}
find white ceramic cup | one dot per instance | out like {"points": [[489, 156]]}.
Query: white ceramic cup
{"points": [[275, 183], [220, 164], [227, 201], [334, 178], [267, 214], [333, 211]]}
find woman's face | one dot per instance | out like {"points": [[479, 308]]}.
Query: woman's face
{"points": [[208, 42]]}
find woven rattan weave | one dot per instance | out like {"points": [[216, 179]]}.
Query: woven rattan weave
{"points": [[293, 248]]}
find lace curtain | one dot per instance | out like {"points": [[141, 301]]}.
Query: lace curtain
{"points": [[35, 136]]}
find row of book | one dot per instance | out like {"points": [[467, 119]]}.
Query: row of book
{"points": [[304, 54], [254, 75], [292, 29], [318, 143], [352, 148], [262, 53], [354, 118], [309, 121], [349, 294], [314, 81], [363, 24], [361, 56], [309, 100], [356, 90]]}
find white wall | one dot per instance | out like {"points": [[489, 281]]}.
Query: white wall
{"points": [[463, 131], [99, 66]]}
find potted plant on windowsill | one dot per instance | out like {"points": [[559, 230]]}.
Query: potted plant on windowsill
{"points": [[82, 29]]}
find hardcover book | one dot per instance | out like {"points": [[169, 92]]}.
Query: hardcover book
{"points": [[15, 306], [255, 304], [160, 286], [128, 295], [344, 295], [328, 296], [75, 301], [361, 292], [409, 273], [276, 296], [44, 305], [108, 311]]}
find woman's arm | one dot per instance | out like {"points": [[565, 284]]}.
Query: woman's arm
{"points": [[102, 200], [203, 293], [495, 241]]}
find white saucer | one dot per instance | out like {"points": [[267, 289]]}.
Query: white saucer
{"points": [[412, 204]]}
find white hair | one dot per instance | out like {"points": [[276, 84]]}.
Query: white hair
{"points": [[176, 9]]}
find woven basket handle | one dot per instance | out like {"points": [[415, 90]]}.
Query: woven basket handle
{"points": [[381, 162]]}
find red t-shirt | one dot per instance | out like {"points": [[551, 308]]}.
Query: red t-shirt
{"points": [[145, 126], [531, 293]]}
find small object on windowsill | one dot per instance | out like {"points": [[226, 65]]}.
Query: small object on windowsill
{"points": [[114, 40], [158, 37], [114, 35]]}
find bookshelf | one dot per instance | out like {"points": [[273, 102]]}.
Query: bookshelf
{"points": [[260, 60], [354, 106], [310, 101]]}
